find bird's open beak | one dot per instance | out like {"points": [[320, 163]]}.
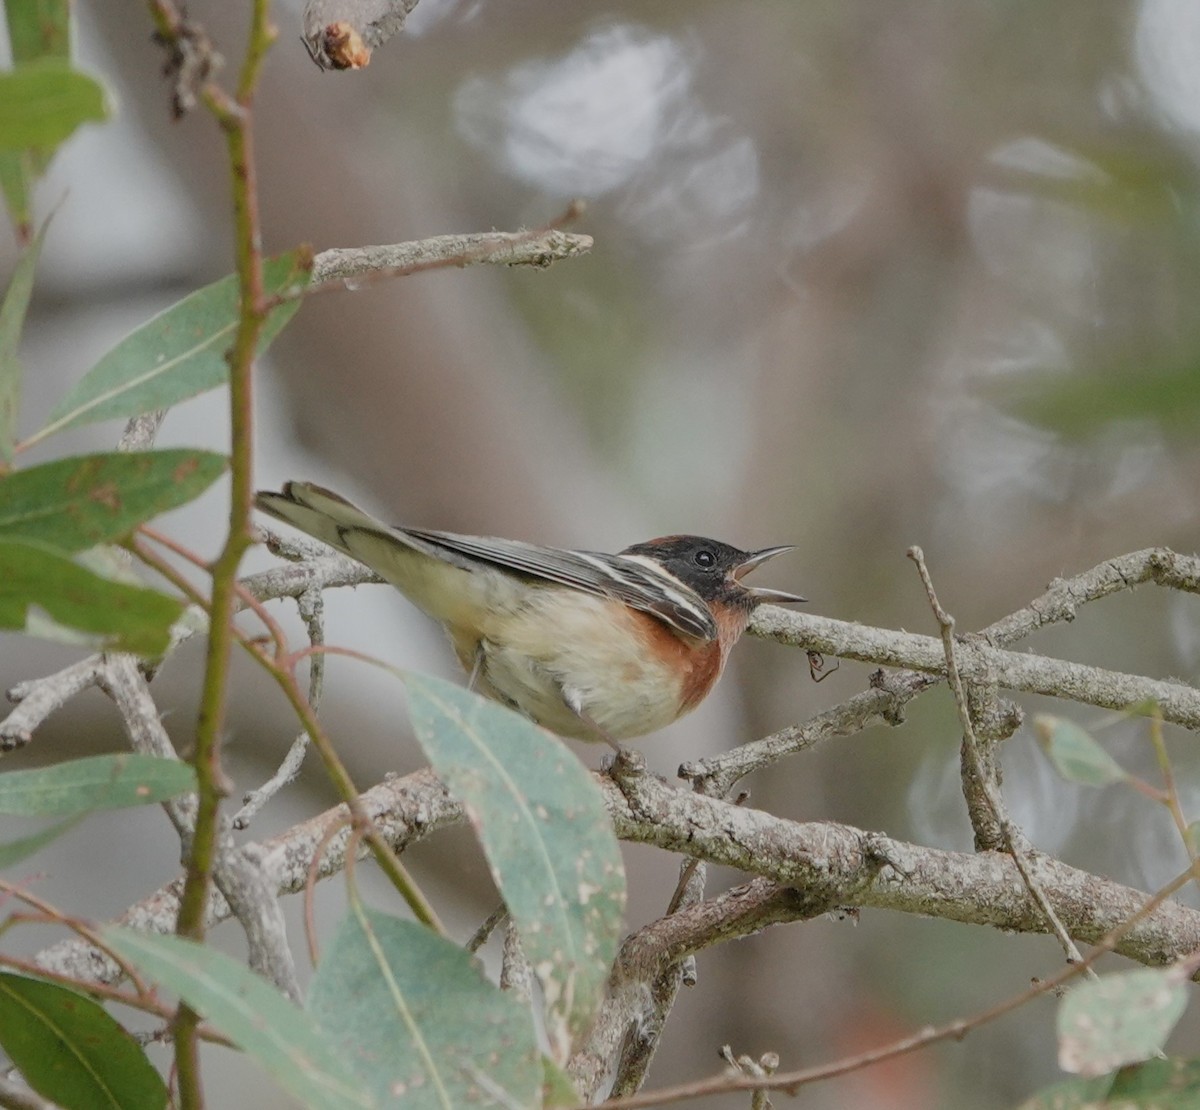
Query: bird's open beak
{"points": [[756, 560]]}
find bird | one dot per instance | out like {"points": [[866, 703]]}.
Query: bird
{"points": [[588, 645]]}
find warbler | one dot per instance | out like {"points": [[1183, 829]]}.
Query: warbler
{"points": [[588, 645]]}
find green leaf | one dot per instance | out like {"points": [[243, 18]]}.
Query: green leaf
{"points": [[12, 319], [73, 504], [38, 29], [42, 102], [547, 837], [97, 782], [178, 354], [414, 1017], [1155, 1085], [270, 1029], [1076, 756], [128, 618], [71, 1051], [18, 171], [1124, 1018], [13, 851]]}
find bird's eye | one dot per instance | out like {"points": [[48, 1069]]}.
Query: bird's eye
{"points": [[705, 558]]}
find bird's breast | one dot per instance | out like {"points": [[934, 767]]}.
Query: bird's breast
{"points": [[630, 672]]}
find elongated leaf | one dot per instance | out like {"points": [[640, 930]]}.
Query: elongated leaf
{"points": [[42, 102], [128, 618], [96, 782], [1075, 754], [546, 834], [282, 1038], [13, 851], [12, 319], [18, 171], [1155, 1085], [178, 354], [419, 1024], [73, 504], [1124, 1018], [38, 29], [71, 1051]]}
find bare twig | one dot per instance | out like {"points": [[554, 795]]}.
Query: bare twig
{"points": [[352, 267], [240, 874], [986, 782], [1033, 674], [312, 609], [39, 697], [1062, 599], [490, 924], [885, 701]]}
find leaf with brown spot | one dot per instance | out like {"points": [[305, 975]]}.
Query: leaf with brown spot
{"points": [[70, 1050], [76, 503], [122, 617]]}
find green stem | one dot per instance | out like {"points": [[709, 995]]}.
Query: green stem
{"points": [[235, 119], [384, 855]]}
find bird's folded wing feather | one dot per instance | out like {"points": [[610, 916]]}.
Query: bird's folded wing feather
{"points": [[342, 524], [632, 582]]}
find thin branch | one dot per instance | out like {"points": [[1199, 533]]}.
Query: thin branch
{"points": [[39, 697], [312, 610], [1064, 596], [1011, 839], [239, 873], [1033, 674], [890, 692], [490, 924], [353, 267]]}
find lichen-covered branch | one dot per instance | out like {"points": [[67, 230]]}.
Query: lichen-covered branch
{"points": [[830, 865]]}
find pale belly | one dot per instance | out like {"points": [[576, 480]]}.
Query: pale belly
{"points": [[625, 689], [647, 701]]}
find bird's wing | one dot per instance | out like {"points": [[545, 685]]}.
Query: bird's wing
{"points": [[637, 583], [390, 551]]}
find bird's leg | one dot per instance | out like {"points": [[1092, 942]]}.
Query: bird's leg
{"points": [[476, 667], [629, 759], [574, 702]]}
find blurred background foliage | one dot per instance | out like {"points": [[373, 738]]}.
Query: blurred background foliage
{"points": [[865, 276]]}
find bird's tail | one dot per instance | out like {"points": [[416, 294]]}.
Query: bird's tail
{"points": [[317, 511], [436, 579]]}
